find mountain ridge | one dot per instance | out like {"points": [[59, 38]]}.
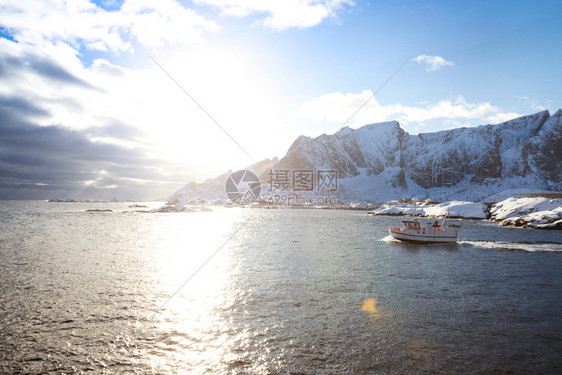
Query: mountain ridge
{"points": [[382, 161]]}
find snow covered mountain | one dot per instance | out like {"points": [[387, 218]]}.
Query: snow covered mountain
{"points": [[212, 190], [379, 162]]}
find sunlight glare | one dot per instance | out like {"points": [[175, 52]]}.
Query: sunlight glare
{"points": [[193, 321]]}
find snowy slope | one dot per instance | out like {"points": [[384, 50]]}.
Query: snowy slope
{"points": [[379, 162]]}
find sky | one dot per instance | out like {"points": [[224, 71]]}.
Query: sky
{"points": [[133, 99]]}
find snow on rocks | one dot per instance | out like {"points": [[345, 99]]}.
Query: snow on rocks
{"points": [[457, 209], [361, 205], [180, 208], [461, 209], [531, 212]]}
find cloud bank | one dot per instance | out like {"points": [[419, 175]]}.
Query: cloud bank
{"points": [[41, 162], [336, 107]]}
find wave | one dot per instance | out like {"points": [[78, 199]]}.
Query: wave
{"points": [[389, 238], [516, 246]]}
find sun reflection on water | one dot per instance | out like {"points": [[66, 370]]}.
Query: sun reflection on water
{"points": [[195, 334]]}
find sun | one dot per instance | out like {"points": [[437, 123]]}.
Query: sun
{"points": [[206, 109]]}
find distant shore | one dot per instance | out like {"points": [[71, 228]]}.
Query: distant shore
{"points": [[536, 211]]}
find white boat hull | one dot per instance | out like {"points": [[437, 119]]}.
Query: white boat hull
{"points": [[423, 235]]}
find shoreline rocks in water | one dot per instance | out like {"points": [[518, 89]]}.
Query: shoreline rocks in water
{"points": [[180, 208]]}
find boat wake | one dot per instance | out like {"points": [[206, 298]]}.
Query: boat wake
{"points": [[389, 238], [515, 246]]}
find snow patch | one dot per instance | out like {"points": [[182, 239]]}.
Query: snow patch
{"points": [[534, 212], [456, 209]]}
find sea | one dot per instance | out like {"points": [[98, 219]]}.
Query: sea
{"points": [[114, 288]]}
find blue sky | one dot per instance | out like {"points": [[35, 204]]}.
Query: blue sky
{"points": [[267, 71]]}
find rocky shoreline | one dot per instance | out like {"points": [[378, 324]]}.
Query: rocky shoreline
{"points": [[528, 212], [537, 211]]}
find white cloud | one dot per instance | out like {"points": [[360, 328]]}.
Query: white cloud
{"points": [[81, 22], [433, 63], [336, 107], [499, 117], [534, 104], [284, 14]]}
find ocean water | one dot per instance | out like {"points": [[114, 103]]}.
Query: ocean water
{"points": [[276, 291]]}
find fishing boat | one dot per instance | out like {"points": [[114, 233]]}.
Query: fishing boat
{"points": [[433, 232]]}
